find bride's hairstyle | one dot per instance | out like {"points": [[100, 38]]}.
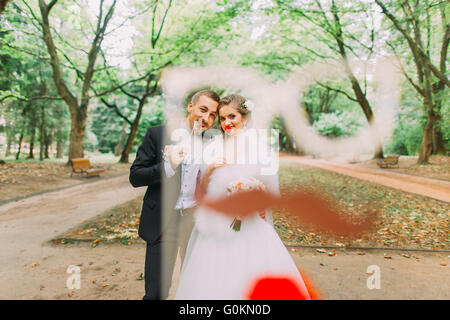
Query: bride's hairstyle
{"points": [[237, 102]]}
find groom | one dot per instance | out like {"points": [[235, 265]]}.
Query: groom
{"points": [[177, 176]]}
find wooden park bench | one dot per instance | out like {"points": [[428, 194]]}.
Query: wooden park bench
{"points": [[389, 161], [83, 166]]}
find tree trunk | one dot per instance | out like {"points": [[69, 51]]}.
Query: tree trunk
{"points": [[59, 153], [77, 131], [289, 145], [119, 147], [46, 155], [438, 139], [47, 144], [76, 147], [134, 128], [59, 136], [378, 153], [42, 134], [33, 124], [426, 146], [41, 149], [427, 142], [20, 145], [129, 144], [33, 134], [8, 146]]}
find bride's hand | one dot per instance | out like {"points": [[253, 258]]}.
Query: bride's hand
{"points": [[200, 192], [262, 214], [215, 165]]}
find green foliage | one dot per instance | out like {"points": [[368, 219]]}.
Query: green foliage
{"points": [[407, 135], [152, 117], [272, 37], [107, 127], [445, 124], [337, 124]]}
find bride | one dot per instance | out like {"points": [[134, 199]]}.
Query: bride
{"points": [[226, 255]]}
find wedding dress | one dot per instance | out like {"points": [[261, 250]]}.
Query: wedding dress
{"points": [[222, 263]]}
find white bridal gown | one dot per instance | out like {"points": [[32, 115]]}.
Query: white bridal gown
{"points": [[221, 263]]}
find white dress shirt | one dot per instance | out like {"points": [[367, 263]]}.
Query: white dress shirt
{"points": [[189, 171]]}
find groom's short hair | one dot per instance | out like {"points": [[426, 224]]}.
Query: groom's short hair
{"points": [[208, 93]]}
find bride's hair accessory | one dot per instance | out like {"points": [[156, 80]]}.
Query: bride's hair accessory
{"points": [[248, 105]]}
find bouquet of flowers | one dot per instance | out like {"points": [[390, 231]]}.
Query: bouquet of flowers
{"points": [[242, 185]]}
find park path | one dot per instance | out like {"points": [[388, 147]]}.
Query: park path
{"points": [[26, 226], [31, 268], [433, 188]]}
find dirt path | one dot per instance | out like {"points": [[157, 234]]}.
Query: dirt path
{"points": [[111, 272], [23, 179], [26, 225], [433, 188], [33, 269]]}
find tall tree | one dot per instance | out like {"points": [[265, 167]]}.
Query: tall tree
{"points": [[77, 103], [25, 81], [341, 42], [415, 27]]}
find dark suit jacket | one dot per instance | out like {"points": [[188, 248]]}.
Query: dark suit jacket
{"points": [[148, 170]]}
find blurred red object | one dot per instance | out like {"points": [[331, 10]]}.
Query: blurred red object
{"points": [[281, 288]]}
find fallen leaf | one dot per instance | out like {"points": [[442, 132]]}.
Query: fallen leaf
{"points": [[34, 264], [388, 257], [321, 250], [332, 254]]}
